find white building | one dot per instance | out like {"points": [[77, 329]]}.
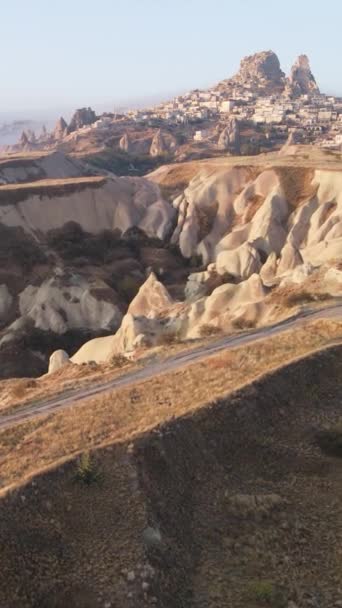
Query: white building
{"points": [[227, 106], [200, 135]]}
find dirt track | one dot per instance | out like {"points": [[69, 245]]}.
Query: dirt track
{"points": [[182, 359]]}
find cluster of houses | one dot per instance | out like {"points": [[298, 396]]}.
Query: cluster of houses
{"points": [[316, 117]]}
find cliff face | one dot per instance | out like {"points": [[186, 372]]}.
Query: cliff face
{"points": [[262, 75], [302, 80], [67, 274], [81, 118], [264, 67], [61, 129], [229, 138]]}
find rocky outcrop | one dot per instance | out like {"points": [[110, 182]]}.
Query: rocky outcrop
{"points": [[290, 258], [229, 138], [200, 284], [162, 143], [238, 208], [158, 145], [70, 302], [114, 203], [261, 71], [81, 118], [61, 129], [269, 270], [142, 325], [240, 263], [152, 299], [302, 80], [252, 229], [125, 143], [257, 209], [57, 360], [24, 141], [226, 304], [47, 166]]}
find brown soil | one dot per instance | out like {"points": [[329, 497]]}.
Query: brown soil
{"points": [[296, 183], [231, 505], [126, 412]]}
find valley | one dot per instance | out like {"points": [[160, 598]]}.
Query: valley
{"points": [[170, 351]]}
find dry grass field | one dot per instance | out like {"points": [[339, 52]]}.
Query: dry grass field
{"points": [[306, 159], [13, 193], [126, 413], [211, 498]]}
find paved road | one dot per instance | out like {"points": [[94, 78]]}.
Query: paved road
{"points": [[178, 361]]}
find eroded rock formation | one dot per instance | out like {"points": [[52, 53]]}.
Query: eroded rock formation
{"points": [[61, 129], [81, 118], [229, 138], [302, 80]]}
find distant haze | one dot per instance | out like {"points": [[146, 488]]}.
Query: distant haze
{"points": [[63, 55]]}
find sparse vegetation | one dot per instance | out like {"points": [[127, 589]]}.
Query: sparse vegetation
{"points": [[87, 472], [128, 287], [242, 323], [330, 440], [119, 361], [262, 591], [304, 297], [206, 330], [167, 338], [112, 416]]}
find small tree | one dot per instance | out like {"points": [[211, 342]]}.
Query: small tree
{"points": [[87, 472]]}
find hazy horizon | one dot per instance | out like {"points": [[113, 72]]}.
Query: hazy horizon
{"points": [[60, 57]]}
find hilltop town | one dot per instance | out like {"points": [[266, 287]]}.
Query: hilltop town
{"points": [[258, 110]]}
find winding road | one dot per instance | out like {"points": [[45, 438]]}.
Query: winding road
{"points": [[63, 400]]}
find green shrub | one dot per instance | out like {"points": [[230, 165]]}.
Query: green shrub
{"points": [[128, 287], [87, 472], [330, 440], [262, 591]]}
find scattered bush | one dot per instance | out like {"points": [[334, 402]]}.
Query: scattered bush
{"points": [[119, 361], [195, 261], [261, 591], [305, 297], [330, 440], [87, 472], [206, 331], [168, 338], [128, 287], [20, 388], [243, 323]]}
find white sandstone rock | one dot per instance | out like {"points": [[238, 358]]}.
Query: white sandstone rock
{"points": [[57, 360]]}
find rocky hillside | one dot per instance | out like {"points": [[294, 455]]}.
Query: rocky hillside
{"points": [[23, 168], [232, 244], [74, 252], [237, 504], [269, 240], [262, 74]]}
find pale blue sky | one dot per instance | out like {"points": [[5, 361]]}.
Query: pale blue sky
{"points": [[58, 54]]}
